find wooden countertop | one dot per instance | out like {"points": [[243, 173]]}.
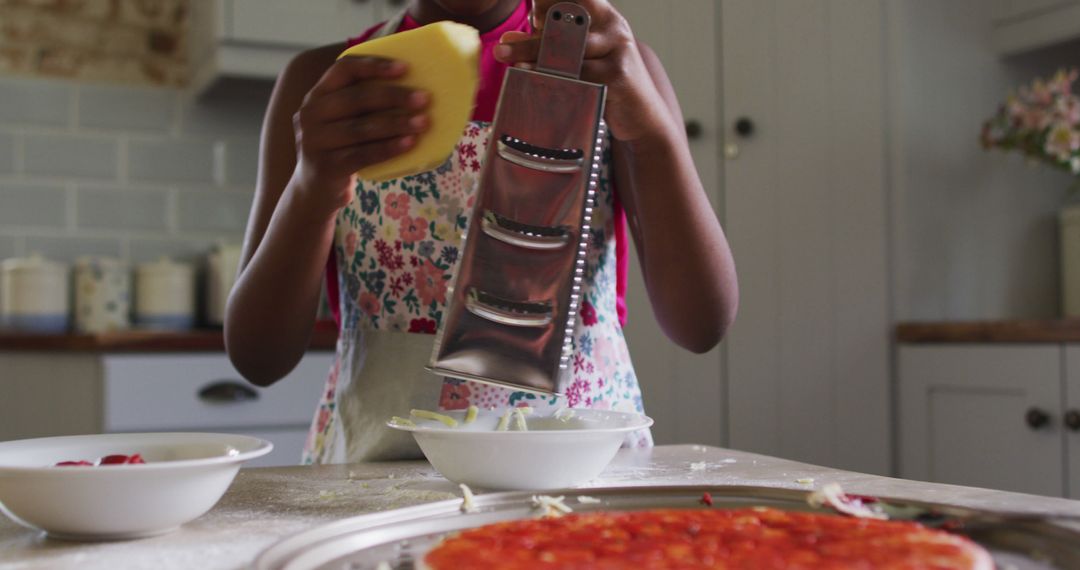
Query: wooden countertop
{"points": [[1011, 331], [198, 340]]}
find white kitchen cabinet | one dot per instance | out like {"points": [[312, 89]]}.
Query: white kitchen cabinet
{"points": [[82, 393], [255, 39], [805, 208], [1070, 420], [1025, 25], [985, 415]]}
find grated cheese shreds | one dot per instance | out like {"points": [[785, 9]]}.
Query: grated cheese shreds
{"points": [[467, 505], [524, 409], [428, 415], [470, 414], [833, 496], [504, 421], [519, 420], [587, 500], [697, 466], [805, 481], [550, 506], [564, 414], [404, 422]]}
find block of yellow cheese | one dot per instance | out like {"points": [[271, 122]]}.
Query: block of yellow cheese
{"points": [[444, 59]]}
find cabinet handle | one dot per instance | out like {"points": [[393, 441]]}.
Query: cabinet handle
{"points": [[1036, 418], [1072, 420], [227, 392]]}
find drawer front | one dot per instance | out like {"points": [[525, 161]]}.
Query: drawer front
{"points": [[205, 392]]}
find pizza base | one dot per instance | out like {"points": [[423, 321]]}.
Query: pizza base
{"points": [[759, 538]]}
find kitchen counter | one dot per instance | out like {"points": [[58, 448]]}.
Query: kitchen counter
{"points": [[1010, 331], [324, 337], [265, 505]]}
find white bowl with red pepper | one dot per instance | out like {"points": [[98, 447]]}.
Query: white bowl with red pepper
{"points": [[119, 486]]}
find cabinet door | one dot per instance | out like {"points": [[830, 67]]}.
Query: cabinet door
{"points": [[303, 24], [805, 205], [966, 416], [683, 391], [1072, 419]]}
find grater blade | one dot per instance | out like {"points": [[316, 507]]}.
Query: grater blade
{"points": [[514, 299]]}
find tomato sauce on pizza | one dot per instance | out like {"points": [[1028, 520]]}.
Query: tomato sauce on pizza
{"points": [[688, 539]]}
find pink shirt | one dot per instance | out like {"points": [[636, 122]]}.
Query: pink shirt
{"points": [[487, 97]]}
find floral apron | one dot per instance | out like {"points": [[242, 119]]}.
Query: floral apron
{"points": [[396, 246]]}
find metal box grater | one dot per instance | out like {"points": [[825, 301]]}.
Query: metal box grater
{"points": [[514, 299]]}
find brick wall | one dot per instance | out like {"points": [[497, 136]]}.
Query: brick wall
{"points": [[124, 171]]}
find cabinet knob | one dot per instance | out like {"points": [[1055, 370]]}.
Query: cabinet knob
{"points": [[744, 127], [694, 130], [227, 392], [1072, 420], [1036, 418]]}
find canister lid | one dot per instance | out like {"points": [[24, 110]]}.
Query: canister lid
{"points": [[108, 263], [33, 262], [164, 266]]}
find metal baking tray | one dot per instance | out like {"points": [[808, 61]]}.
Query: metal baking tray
{"points": [[401, 537]]}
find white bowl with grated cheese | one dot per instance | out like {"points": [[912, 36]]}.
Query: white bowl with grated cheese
{"points": [[555, 451]]}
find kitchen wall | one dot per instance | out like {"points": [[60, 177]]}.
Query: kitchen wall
{"points": [[102, 150], [974, 233], [124, 171]]}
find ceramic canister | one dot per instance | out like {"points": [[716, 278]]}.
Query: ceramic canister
{"points": [[221, 266], [102, 295], [34, 295], [165, 295]]}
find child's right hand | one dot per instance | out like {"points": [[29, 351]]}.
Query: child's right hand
{"points": [[350, 119]]}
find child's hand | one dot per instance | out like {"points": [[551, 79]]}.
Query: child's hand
{"points": [[349, 120], [634, 106]]}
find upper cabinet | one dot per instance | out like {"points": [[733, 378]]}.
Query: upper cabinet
{"points": [[1025, 25], [255, 39]]}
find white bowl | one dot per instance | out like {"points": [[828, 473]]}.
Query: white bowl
{"points": [[552, 454], [184, 476]]}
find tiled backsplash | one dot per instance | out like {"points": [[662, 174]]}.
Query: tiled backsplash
{"points": [[129, 172]]}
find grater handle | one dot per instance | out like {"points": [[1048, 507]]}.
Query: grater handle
{"points": [[562, 45]]}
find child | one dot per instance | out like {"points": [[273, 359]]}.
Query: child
{"points": [[388, 249]]}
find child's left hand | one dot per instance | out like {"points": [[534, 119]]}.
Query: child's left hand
{"points": [[635, 108]]}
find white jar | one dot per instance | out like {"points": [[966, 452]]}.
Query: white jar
{"points": [[221, 266], [102, 295], [34, 295], [165, 295]]}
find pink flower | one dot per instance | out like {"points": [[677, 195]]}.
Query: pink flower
{"points": [[397, 205], [430, 283], [1068, 109], [424, 326], [588, 314], [369, 303], [413, 229], [351, 239], [454, 396], [1062, 142]]}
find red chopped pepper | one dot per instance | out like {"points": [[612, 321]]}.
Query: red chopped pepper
{"points": [[79, 463], [706, 499]]}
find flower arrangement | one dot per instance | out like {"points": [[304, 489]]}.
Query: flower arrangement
{"points": [[1042, 121]]}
